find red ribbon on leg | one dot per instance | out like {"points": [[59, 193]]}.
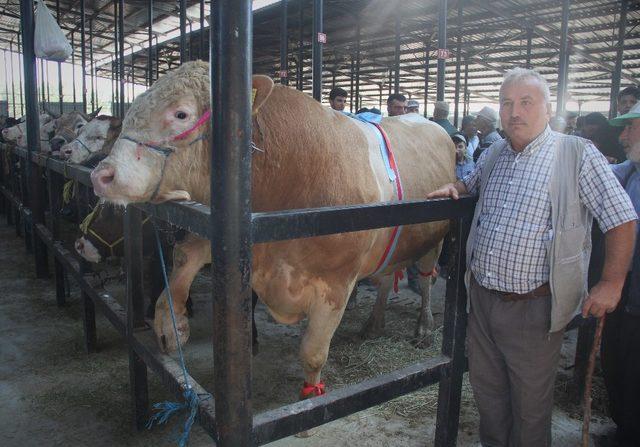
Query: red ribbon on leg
{"points": [[312, 390]]}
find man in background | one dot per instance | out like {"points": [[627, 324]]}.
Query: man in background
{"points": [[441, 117], [338, 98], [486, 122], [396, 104]]}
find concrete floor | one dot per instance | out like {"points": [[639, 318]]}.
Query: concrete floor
{"points": [[53, 394]]}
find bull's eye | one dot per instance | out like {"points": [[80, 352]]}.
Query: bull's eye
{"points": [[181, 115]]}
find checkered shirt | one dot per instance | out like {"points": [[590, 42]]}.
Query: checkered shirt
{"points": [[515, 223]]}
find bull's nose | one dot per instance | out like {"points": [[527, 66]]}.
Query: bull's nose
{"points": [[65, 152], [57, 143], [102, 177]]}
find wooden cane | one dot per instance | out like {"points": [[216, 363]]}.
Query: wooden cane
{"points": [[587, 382]]}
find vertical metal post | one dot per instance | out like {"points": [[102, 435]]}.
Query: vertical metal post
{"points": [[380, 98], [465, 110], [92, 67], [83, 56], [562, 71], [458, 61], [529, 38], [121, 55], [351, 84], [46, 77], [427, 61], [300, 67], [333, 79], [396, 64], [453, 341], [116, 55], [231, 217], [55, 184], [113, 89], [442, 49], [13, 84], [35, 196], [157, 57], [357, 68], [6, 80], [617, 71], [43, 88], [284, 45], [390, 81], [183, 32], [150, 43], [60, 96], [201, 53], [73, 69], [20, 89], [316, 51], [135, 313]]}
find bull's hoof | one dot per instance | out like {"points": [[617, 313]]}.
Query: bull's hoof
{"points": [[423, 340], [163, 327], [372, 329]]}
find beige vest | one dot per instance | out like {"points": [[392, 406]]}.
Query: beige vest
{"points": [[570, 248]]}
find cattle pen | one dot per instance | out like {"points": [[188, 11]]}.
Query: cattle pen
{"points": [[31, 184]]}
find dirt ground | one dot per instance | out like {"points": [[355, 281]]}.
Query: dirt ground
{"points": [[53, 394]]}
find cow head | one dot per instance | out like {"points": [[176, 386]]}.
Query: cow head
{"points": [[98, 135], [101, 234], [147, 162], [18, 133], [68, 126]]}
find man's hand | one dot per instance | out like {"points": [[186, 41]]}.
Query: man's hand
{"points": [[452, 190], [603, 298]]}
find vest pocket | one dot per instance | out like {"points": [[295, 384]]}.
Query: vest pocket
{"points": [[570, 245]]}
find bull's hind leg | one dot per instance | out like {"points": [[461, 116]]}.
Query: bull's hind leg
{"points": [[188, 258], [424, 328], [374, 327]]}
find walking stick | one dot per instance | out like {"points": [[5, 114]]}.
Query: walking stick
{"points": [[587, 382]]}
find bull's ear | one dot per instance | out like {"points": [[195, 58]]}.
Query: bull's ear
{"points": [[262, 87]]}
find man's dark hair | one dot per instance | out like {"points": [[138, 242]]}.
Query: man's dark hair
{"points": [[631, 90], [337, 91], [467, 120], [396, 97], [595, 118]]}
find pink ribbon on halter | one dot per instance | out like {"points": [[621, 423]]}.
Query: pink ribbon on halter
{"points": [[203, 119]]}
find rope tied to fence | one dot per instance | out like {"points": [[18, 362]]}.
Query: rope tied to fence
{"points": [[165, 410]]}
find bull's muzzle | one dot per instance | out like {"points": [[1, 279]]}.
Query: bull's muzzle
{"points": [[102, 177]]}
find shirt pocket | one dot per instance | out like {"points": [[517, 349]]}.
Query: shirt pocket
{"points": [[571, 237]]}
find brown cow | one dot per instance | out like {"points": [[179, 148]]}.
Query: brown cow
{"points": [[310, 156], [95, 138], [68, 125]]}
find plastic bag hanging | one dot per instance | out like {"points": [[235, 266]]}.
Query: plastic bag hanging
{"points": [[50, 43]]}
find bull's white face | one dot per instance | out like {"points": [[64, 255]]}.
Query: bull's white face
{"points": [[87, 250], [68, 126], [133, 172], [18, 133], [91, 139]]}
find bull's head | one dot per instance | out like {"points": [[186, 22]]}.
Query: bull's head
{"points": [[164, 143], [68, 126], [96, 136]]}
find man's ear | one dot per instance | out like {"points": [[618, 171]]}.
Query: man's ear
{"points": [[262, 88]]}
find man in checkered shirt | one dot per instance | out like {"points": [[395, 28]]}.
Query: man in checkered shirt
{"points": [[513, 336]]}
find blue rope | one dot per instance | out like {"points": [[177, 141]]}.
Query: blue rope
{"points": [[165, 410]]}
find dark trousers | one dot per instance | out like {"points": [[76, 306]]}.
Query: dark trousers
{"points": [[621, 367], [513, 361]]}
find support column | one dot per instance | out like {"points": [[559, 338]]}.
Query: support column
{"points": [[316, 54], [201, 53], [458, 61], [465, 110], [92, 68], [442, 48], [231, 85], [300, 67], [150, 44], [427, 46], [396, 64], [121, 56], [562, 69], [183, 32], [13, 84], [284, 45], [357, 67], [33, 174], [615, 78], [83, 56], [529, 38]]}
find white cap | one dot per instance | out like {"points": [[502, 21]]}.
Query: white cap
{"points": [[488, 114]]}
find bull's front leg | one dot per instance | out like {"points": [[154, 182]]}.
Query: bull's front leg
{"points": [[188, 258]]}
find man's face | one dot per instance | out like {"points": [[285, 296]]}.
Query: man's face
{"points": [[572, 123], [469, 129], [523, 111], [625, 103], [589, 131], [395, 107], [461, 150], [630, 139], [338, 103]]}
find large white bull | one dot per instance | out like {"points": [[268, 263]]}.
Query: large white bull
{"points": [[310, 156]]}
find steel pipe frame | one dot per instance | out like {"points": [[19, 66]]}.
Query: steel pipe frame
{"points": [[92, 68], [13, 86], [357, 66], [230, 171], [73, 69], [120, 47], [201, 52], [458, 61], [442, 45], [33, 173], [396, 54], [284, 45], [300, 64], [60, 95], [150, 48], [20, 89], [316, 50], [184, 56], [83, 56], [615, 80], [563, 68]]}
